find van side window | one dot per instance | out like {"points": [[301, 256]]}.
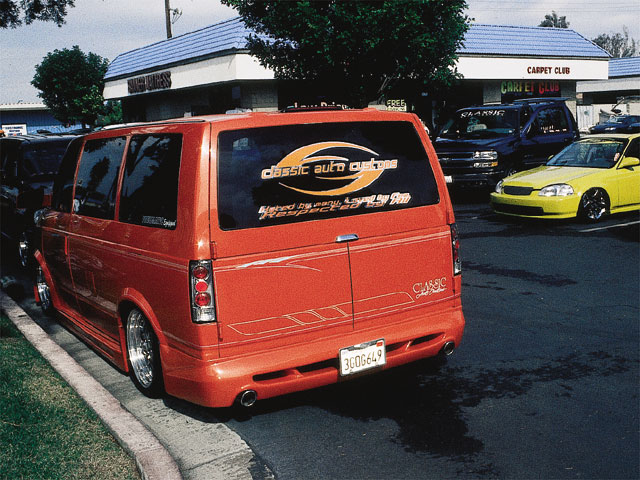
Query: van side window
{"points": [[150, 185], [98, 177], [551, 120], [63, 184]]}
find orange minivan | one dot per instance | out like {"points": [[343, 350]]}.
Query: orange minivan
{"points": [[243, 256]]}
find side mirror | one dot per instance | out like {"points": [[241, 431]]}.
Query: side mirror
{"points": [[629, 162], [31, 199]]}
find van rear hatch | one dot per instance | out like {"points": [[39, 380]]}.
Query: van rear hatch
{"points": [[323, 228]]}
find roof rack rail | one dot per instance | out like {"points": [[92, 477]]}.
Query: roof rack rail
{"points": [[312, 108], [541, 100]]}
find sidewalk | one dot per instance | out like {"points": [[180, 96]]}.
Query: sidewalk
{"points": [[153, 461]]}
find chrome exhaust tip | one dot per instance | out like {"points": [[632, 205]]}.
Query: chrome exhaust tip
{"points": [[448, 348], [248, 398]]}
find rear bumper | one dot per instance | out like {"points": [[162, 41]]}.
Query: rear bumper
{"points": [[304, 366]]}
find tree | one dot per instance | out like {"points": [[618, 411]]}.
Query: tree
{"points": [[71, 83], [357, 51], [45, 10], [111, 114], [618, 45], [554, 21]]}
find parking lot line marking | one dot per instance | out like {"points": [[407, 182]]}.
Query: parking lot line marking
{"points": [[595, 229]]}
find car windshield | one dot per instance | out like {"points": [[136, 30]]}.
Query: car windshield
{"points": [[42, 158], [624, 119], [619, 120], [590, 154], [483, 123]]}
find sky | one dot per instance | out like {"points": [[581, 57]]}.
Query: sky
{"points": [[111, 27]]}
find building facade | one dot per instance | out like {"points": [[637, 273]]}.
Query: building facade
{"points": [[30, 118], [211, 71], [618, 94]]}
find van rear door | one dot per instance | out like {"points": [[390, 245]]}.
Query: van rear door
{"points": [[314, 218], [397, 274]]}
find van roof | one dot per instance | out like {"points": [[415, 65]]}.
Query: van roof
{"points": [[296, 116]]}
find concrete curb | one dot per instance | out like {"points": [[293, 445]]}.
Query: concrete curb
{"points": [[153, 461]]}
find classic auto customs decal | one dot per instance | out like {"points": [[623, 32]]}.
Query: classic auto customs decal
{"points": [[430, 287], [299, 162], [317, 170]]}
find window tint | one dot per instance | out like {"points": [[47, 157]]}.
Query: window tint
{"points": [[294, 173], [483, 123], [42, 158], [551, 120], [98, 177], [634, 149], [590, 154], [63, 183], [150, 184], [9, 155]]}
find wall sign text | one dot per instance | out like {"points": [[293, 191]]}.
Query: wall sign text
{"points": [[148, 83]]}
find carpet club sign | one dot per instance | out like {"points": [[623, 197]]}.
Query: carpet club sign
{"points": [[149, 83]]}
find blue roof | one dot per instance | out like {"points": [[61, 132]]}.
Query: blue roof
{"points": [[207, 42], [528, 41], [624, 67], [230, 35]]}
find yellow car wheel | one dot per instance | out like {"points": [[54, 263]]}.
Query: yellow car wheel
{"points": [[593, 205]]}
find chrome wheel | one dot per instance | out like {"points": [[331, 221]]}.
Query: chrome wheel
{"points": [[594, 205], [141, 347], [23, 249], [43, 292]]}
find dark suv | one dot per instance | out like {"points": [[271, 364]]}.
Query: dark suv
{"points": [[484, 144], [28, 165]]}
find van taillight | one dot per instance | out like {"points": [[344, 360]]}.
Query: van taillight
{"points": [[203, 307], [455, 248]]}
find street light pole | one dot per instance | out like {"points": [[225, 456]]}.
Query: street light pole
{"points": [[167, 15]]}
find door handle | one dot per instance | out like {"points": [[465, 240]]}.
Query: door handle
{"points": [[351, 237]]}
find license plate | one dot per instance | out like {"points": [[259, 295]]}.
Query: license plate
{"points": [[448, 178], [362, 357]]}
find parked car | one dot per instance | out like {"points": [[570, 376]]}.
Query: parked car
{"points": [[590, 178], [484, 144], [28, 165], [618, 124], [244, 256]]}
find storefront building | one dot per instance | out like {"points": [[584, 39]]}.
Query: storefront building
{"points": [[618, 94], [30, 118], [211, 71]]}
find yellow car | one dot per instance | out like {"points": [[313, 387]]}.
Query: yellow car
{"points": [[589, 179]]}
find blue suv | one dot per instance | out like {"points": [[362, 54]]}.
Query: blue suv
{"points": [[483, 144]]}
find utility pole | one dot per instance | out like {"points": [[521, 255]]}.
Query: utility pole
{"points": [[167, 15]]}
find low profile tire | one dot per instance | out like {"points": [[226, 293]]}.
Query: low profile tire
{"points": [[44, 292], [143, 354], [594, 205]]}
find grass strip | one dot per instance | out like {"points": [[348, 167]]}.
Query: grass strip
{"points": [[46, 430]]}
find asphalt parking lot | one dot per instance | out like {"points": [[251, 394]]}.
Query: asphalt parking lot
{"points": [[544, 385]]}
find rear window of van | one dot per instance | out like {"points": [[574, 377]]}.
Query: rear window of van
{"points": [[294, 173]]}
